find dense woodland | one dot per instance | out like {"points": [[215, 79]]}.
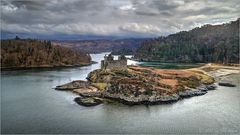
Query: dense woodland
{"points": [[209, 43], [35, 53]]}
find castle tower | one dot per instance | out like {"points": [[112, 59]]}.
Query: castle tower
{"points": [[110, 63], [110, 57], [122, 57]]}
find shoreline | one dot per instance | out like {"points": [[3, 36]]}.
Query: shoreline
{"points": [[159, 61], [46, 67], [164, 99], [218, 71]]}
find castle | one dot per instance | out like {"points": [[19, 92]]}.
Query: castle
{"points": [[110, 63]]}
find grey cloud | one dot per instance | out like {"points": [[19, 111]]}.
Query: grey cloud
{"points": [[164, 4], [113, 17], [157, 7], [166, 13], [143, 13], [28, 4]]}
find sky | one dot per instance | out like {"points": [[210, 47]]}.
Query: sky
{"points": [[76, 19]]}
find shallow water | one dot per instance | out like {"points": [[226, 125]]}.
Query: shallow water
{"points": [[30, 105]]}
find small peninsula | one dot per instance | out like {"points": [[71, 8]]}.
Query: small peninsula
{"points": [[143, 85], [31, 53]]}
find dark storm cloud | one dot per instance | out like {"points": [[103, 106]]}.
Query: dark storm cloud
{"points": [[113, 17]]}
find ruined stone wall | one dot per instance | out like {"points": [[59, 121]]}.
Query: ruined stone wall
{"points": [[102, 64], [117, 64]]}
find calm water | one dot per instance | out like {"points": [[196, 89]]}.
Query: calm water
{"points": [[169, 65], [30, 105]]}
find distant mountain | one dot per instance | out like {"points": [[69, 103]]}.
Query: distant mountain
{"points": [[116, 46], [209, 43], [62, 37], [24, 53]]}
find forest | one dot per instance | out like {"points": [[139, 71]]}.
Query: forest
{"points": [[36, 53], [209, 43]]}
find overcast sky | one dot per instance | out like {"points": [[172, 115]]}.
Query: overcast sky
{"points": [[121, 18]]}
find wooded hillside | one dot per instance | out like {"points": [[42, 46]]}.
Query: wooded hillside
{"points": [[35, 53], [209, 43]]}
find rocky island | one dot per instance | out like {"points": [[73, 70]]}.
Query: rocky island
{"points": [[143, 85]]}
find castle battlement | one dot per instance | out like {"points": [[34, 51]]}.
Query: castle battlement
{"points": [[110, 63]]}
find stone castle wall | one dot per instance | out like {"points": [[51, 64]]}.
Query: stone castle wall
{"points": [[117, 64], [109, 63]]}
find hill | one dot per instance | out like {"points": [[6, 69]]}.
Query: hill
{"points": [[209, 43], [24, 53], [116, 46]]}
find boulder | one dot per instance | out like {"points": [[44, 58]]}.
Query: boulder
{"points": [[226, 83], [211, 87], [88, 101]]}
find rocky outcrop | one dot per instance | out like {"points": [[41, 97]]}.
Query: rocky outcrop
{"points": [[191, 93], [88, 101], [201, 90], [140, 85], [132, 94], [226, 83], [80, 87]]}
